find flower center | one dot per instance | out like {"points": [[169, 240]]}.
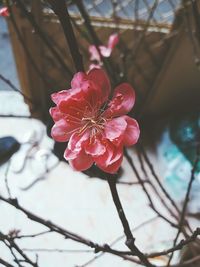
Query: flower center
{"points": [[91, 121], [94, 124]]}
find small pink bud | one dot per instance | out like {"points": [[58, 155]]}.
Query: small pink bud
{"points": [[4, 12]]}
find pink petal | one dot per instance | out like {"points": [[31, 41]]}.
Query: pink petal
{"points": [[73, 108], [56, 114], [78, 79], [93, 92], [114, 167], [61, 131], [69, 154], [117, 154], [76, 92], [95, 148], [100, 78], [105, 51], [115, 129], [77, 140], [57, 97], [132, 132], [104, 159], [82, 162], [76, 155], [94, 53], [94, 66], [90, 95], [122, 102], [4, 12], [113, 40], [112, 154]]}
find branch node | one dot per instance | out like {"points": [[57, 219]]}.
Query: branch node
{"points": [[14, 201], [130, 242], [97, 249], [106, 246]]}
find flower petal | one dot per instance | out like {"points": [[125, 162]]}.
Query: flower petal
{"points": [[57, 97], [113, 40], [94, 53], [95, 148], [77, 140], [115, 129], [4, 12], [114, 167], [56, 114], [69, 154], [94, 66], [82, 161], [122, 102], [62, 130], [112, 154], [132, 132], [100, 78], [79, 88], [105, 51], [94, 91], [73, 108], [78, 80]]}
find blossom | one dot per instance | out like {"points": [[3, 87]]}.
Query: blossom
{"points": [[105, 51], [4, 12], [94, 66], [96, 128]]}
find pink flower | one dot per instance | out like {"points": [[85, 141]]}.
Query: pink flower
{"points": [[4, 12], [94, 66], [105, 51], [97, 129]]}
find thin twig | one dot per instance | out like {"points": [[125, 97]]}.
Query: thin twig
{"points": [[13, 87], [163, 201], [32, 235], [18, 249], [107, 62], [14, 116], [42, 35], [6, 178], [157, 179], [26, 50], [179, 246], [118, 239], [167, 195], [67, 234], [130, 240], [60, 9], [188, 262], [53, 250], [5, 263], [186, 200], [146, 192], [132, 183]]}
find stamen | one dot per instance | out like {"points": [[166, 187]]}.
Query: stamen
{"points": [[76, 109], [72, 131], [73, 119], [85, 127]]}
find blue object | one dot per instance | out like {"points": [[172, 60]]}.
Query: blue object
{"points": [[8, 146]]}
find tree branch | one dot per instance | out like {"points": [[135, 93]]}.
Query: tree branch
{"points": [[5, 263], [182, 217], [130, 240], [42, 35], [60, 9]]}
